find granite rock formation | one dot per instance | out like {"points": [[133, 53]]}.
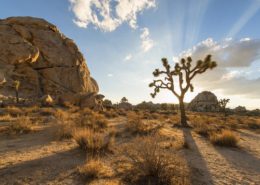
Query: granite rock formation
{"points": [[42, 59], [204, 102]]}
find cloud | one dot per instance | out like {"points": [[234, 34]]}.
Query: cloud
{"points": [[147, 42], [110, 75], [128, 57], [107, 15], [234, 59], [228, 53]]}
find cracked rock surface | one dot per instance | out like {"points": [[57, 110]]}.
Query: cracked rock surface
{"points": [[45, 61]]}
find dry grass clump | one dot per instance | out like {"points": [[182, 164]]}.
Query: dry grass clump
{"points": [[92, 120], [48, 111], [121, 112], [202, 129], [251, 123], [65, 130], [153, 165], [225, 138], [93, 142], [136, 125], [14, 111], [22, 125], [110, 113], [95, 169], [32, 109], [6, 118]]}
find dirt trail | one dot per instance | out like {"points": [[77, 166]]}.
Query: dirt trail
{"points": [[219, 165], [38, 158]]}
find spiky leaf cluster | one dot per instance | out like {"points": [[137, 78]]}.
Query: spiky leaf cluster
{"points": [[184, 71]]}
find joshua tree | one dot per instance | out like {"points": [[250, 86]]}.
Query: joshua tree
{"points": [[17, 86], [222, 103], [185, 73], [124, 100]]}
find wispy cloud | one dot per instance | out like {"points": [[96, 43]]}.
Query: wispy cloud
{"points": [[128, 57], [147, 42], [110, 75], [107, 15]]}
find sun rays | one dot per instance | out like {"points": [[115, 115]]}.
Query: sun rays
{"points": [[245, 17]]}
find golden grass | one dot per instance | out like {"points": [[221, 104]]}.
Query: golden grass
{"points": [[65, 130], [21, 125], [95, 169], [6, 118], [136, 125], [14, 111], [92, 120], [93, 142], [151, 164], [110, 113], [203, 129], [225, 138]]}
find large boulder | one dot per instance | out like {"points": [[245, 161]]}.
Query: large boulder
{"points": [[204, 102], [36, 53]]}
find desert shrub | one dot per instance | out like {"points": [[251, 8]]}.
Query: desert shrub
{"points": [[65, 130], [61, 115], [110, 113], [94, 169], [121, 112], [93, 120], [148, 115], [32, 109], [14, 111], [232, 123], [48, 112], [202, 129], [93, 142], [225, 138], [136, 125], [253, 125], [153, 165], [174, 119], [21, 125], [6, 118]]}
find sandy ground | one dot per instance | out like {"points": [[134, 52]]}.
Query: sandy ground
{"points": [[39, 158]]}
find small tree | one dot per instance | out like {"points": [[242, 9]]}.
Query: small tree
{"points": [[124, 100], [107, 103], [17, 86], [222, 103], [185, 73]]}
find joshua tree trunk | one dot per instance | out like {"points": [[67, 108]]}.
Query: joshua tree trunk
{"points": [[183, 113], [17, 96]]}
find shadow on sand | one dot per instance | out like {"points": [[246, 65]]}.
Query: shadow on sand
{"points": [[240, 159], [201, 175], [43, 170]]}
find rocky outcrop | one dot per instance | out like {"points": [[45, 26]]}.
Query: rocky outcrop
{"points": [[125, 106], [45, 62], [204, 102], [89, 100]]}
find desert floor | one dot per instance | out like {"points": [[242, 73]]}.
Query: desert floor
{"points": [[39, 157]]}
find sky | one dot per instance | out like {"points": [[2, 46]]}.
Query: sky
{"points": [[123, 42]]}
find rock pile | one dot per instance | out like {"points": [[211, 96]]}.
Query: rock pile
{"points": [[204, 102]]}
